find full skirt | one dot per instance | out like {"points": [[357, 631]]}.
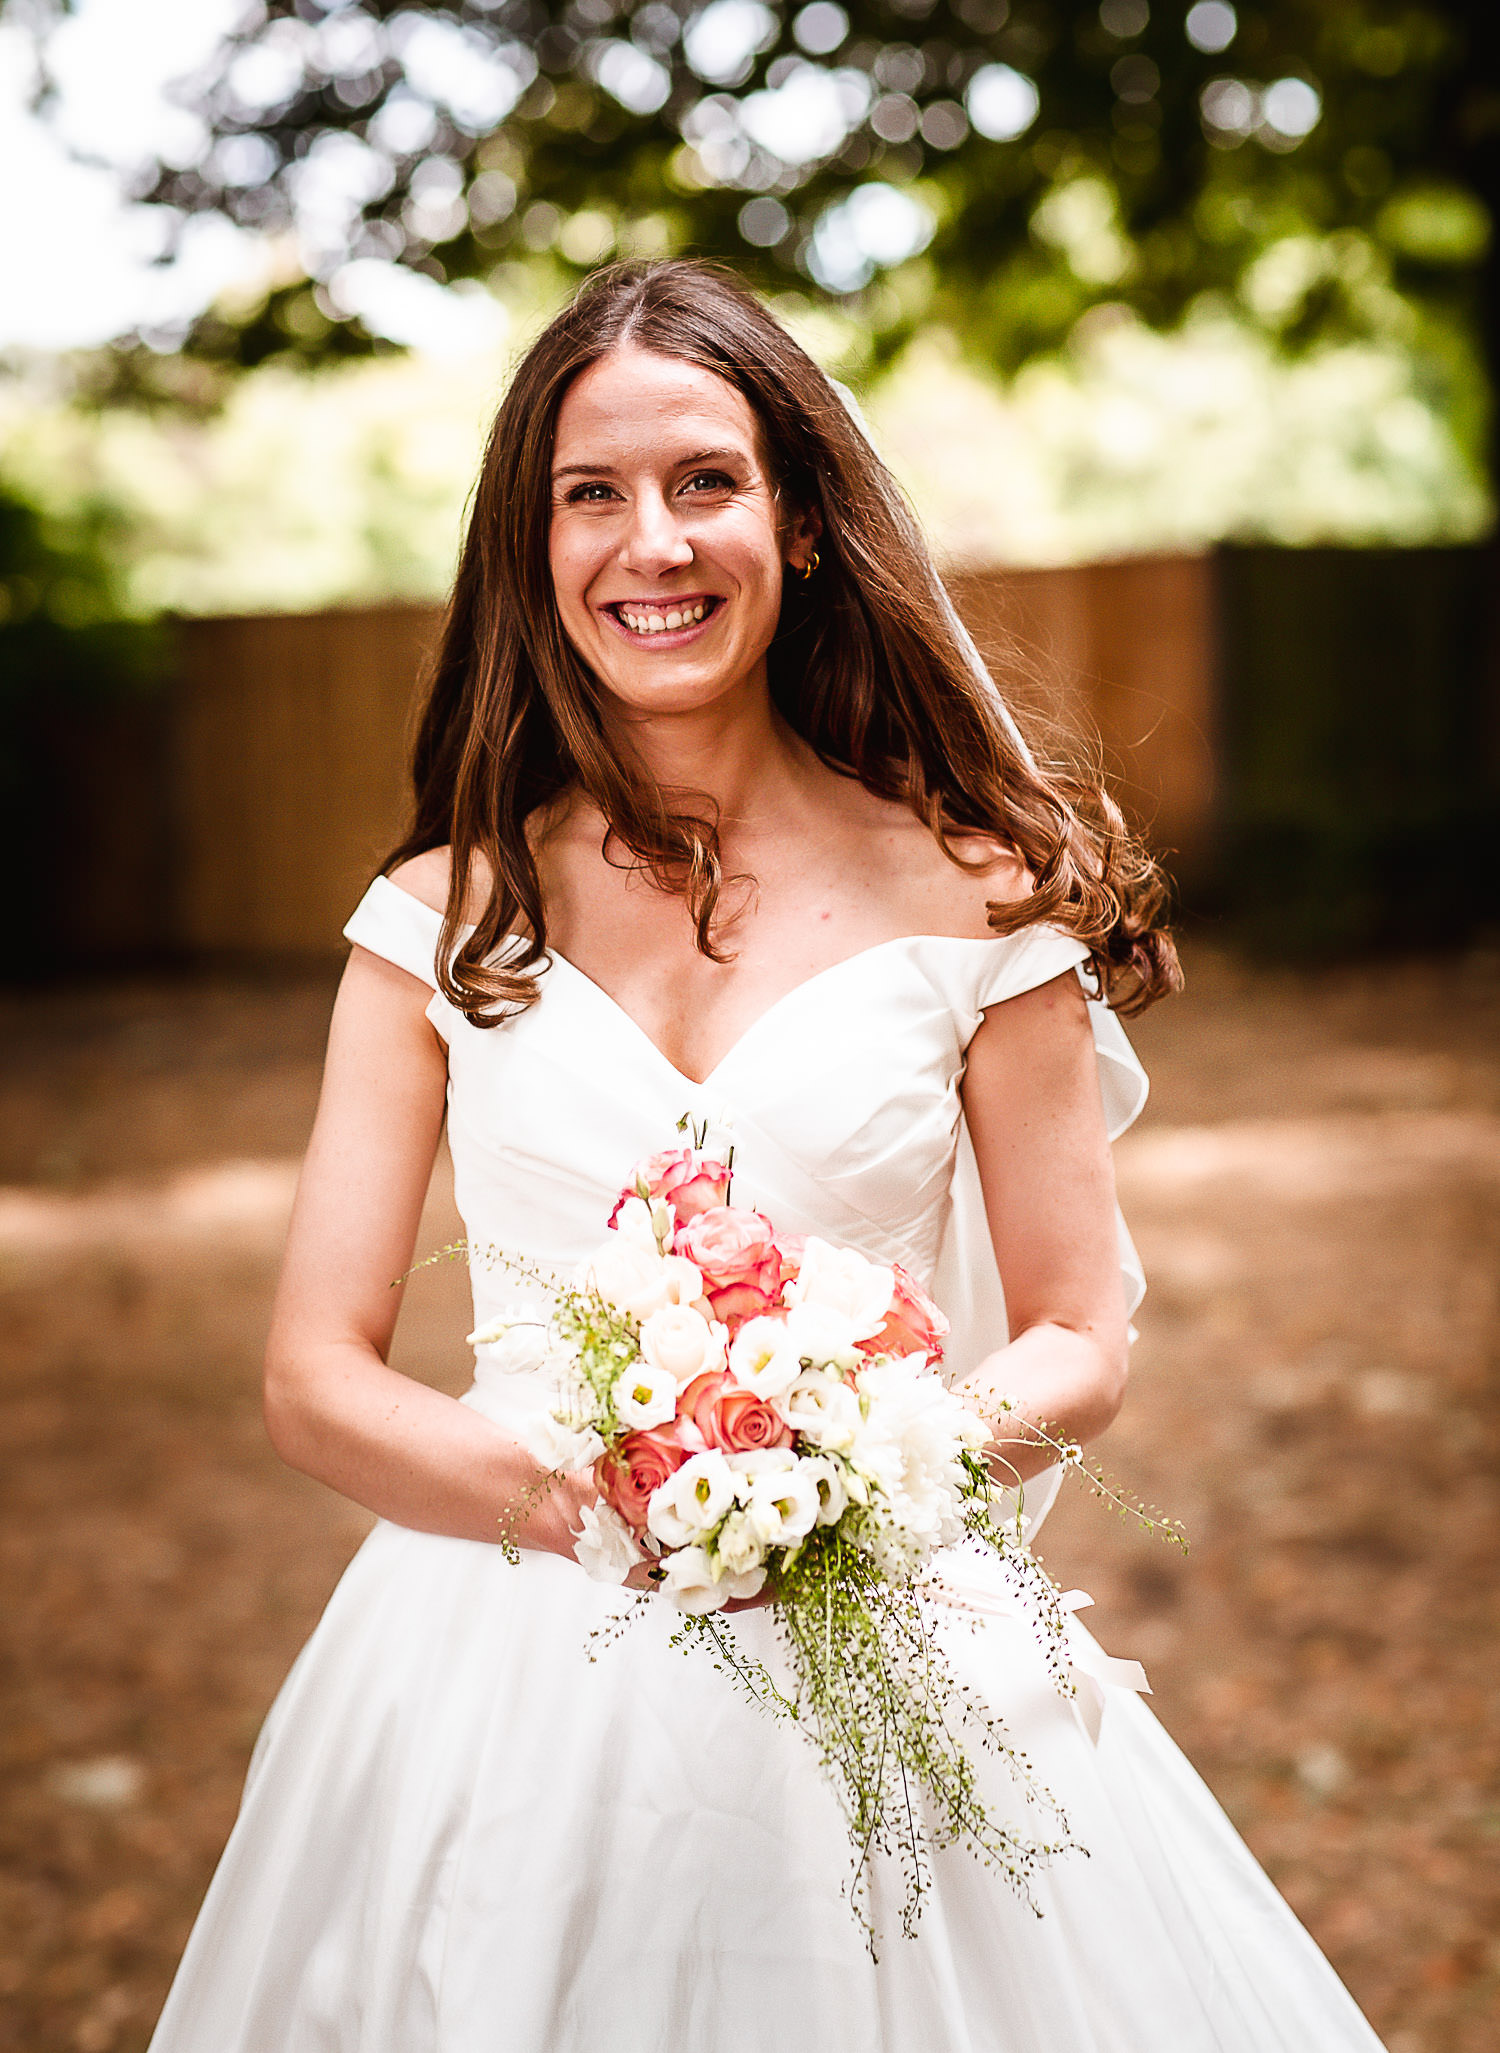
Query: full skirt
{"points": [[477, 1821]]}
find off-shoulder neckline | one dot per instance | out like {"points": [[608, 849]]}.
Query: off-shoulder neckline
{"points": [[777, 1005]]}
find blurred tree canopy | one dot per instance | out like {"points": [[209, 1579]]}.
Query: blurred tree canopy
{"points": [[999, 165]]}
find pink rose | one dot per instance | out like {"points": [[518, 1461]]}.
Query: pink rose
{"points": [[741, 1265], [689, 1182], [913, 1325], [730, 1417], [634, 1467], [790, 1247]]}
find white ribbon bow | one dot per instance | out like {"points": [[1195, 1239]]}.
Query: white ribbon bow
{"points": [[1091, 1670]]}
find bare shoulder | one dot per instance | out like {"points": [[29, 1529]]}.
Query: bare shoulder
{"points": [[929, 890], [425, 876]]}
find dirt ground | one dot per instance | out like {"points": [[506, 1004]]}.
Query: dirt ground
{"points": [[1316, 1191]]}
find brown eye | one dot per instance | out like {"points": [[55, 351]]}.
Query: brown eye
{"points": [[708, 481]]}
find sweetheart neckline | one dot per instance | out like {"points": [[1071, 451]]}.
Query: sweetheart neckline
{"points": [[707, 1081]]}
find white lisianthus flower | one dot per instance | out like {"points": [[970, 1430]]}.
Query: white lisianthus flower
{"points": [[688, 1579], [644, 1397], [515, 1340], [822, 1410], [833, 1491], [821, 1337], [839, 1280], [751, 1462], [690, 1503], [560, 1443], [737, 1548], [746, 1582], [682, 1342], [762, 1358], [604, 1547], [645, 1222], [783, 1506]]}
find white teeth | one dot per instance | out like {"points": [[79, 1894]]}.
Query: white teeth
{"points": [[663, 623]]}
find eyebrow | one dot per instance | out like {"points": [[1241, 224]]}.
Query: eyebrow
{"points": [[597, 470]]}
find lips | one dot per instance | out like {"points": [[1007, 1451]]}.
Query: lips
{"points": [[646, 619]]}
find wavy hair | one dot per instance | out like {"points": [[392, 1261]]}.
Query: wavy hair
{"points": [[869, 664]]}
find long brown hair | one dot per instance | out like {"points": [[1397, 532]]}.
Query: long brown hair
{"points": [[868, 665]]}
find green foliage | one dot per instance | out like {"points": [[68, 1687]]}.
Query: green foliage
{"points": [[64, 631], [1134, 153]]}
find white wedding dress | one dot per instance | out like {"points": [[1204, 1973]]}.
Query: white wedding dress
{"points": [[467, 1829]]}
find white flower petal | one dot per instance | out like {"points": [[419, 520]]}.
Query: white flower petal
{"points": [[688, 1580], [561, 1444], [644, 1397], [838, 1279], [691, 1502], [762, 1358], [605, 1546]]}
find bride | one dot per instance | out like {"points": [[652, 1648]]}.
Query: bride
{"points": [[718, 815]]}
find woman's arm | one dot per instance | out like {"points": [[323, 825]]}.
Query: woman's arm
{"points": [[334, 1409], [1031, 1099]]}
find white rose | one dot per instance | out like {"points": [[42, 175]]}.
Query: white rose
{"points": [[820, 1337], [822, 1410], [691, 1502], [515, 1341], [561, 1444], [839, 1280], [682, 1281], [605, 1547], [833, 1493], [683, 1343], [738, 1549], [647, 1223], [784, 1507], [630, 1277], [688, 1579], [645, 1397], [763, 1359]]}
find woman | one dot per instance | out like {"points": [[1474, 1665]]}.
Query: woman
{"points": [[716, 815]]}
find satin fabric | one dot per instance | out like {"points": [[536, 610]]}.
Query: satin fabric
{"points": [[478, 1822]]}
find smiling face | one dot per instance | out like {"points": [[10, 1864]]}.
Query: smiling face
{"points": [[668, 544]]}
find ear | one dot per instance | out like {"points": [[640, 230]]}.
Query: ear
{"points": [[802, 535]]}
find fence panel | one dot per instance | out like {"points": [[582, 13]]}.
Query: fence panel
{"points": [[289, 774], [1123, 652], [262, 790]]}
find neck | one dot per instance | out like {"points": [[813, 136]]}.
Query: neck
{"points": [[738, 753]]}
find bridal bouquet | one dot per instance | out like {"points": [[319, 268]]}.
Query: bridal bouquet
{"points": [[763, 1417]]}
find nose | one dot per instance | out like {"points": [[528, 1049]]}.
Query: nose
{"points": [[655, 540]]}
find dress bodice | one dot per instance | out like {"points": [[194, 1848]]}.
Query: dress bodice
{"points": [[842, 1101]]}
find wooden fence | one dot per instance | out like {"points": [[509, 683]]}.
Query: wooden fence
{"points": [[1311, 737], [282, 759]]}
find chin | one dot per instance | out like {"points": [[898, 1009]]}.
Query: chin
{"points": [[693, 692]]}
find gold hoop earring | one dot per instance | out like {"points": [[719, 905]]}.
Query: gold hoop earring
{"points": [[810, 565]]}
